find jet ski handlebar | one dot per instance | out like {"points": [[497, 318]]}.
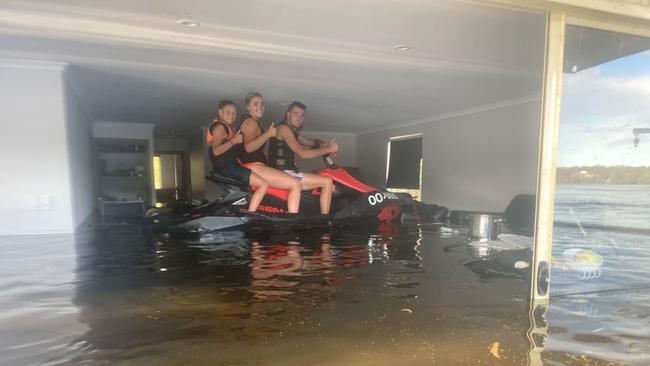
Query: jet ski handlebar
{"points": [[329, 162]]}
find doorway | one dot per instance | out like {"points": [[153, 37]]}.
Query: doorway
{"points": [[171, 177]]}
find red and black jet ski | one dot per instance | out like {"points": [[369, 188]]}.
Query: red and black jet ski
{"points": [[353, 203]]}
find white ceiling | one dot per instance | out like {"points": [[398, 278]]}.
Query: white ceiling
{"points": [[133, 62]]}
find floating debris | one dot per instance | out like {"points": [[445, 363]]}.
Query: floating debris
{"points": [[494, 350]]}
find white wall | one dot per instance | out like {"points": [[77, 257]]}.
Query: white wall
{"points": [[125, 130], [473, 161], [35, 176], [80, 155]]}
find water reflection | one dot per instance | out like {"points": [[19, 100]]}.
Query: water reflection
{"points": [[135, 290], [372, 295], [310, 297], [283, 297], [585, 323]]}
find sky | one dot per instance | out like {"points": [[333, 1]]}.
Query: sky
{"points": [[600, 106]]}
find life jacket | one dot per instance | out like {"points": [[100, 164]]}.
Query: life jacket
{"points": [[228, 157], [256, 156], [280, 154]]}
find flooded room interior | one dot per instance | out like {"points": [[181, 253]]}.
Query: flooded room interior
{"points": [[271, 182]]}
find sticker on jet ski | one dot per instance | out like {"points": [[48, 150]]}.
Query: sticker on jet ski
{"points": [[379, 197]]}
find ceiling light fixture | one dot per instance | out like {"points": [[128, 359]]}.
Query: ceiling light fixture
{"points": [[401, 48], [188, 22]]}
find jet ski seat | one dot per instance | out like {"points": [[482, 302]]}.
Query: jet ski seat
{"points": [[227, 184], [232, 190], [219, 179]]}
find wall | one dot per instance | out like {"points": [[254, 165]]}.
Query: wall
{"points": [[472, 161], [34, 159], [80, 155], [170, 144], [124, 130], [198, 164]]}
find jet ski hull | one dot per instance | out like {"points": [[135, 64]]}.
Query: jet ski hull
{"points": [[353, 203]]}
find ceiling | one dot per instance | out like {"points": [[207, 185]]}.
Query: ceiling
{"points": [[133, 62], [591, 47]]}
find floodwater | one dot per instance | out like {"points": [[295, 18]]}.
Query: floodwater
{"points": [[119, 295], [601, 307]]}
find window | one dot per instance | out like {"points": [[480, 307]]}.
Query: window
{"points": [[600, 234], [404, 168]]}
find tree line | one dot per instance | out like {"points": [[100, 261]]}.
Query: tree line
{"points": [[604, 175]]}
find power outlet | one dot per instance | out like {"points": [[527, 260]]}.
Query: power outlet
{"points": [[39, 202], [45, 202], [31, 202]]}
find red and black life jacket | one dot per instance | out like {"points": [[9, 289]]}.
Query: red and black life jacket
{"points": [[228, 157]]}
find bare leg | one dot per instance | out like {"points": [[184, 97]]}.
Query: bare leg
{"points": [[260, 190], [311, 181], [278, 179]]}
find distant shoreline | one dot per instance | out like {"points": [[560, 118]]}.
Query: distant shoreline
{"points": [[612, 175]]}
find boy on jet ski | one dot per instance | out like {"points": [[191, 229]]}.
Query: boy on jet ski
{"points": [[288, 143], [222, 142]]}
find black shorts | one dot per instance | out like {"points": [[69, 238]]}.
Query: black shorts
{"points": [[238, 173]]}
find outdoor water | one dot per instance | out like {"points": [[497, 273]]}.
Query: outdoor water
{"points": [[609, 317], [122, 296]]}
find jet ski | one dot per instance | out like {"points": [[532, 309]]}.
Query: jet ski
{"points": [[353, 203]]}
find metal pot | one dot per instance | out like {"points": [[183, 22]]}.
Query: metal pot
{"points": [[484, 227]]}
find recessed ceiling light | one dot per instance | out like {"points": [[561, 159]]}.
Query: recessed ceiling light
{"points": [[401, 48], [188, 22]]}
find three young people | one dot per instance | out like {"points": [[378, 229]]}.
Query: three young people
{"points": [[240, 155]]}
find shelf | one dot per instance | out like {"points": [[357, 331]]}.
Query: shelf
{"points": [[125, 154], [122, 147], [116, 164]]}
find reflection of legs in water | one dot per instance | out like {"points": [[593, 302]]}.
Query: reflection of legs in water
{"points": [[312, 181], [281, 180], [260, 190], [271, 262], [326, 256]]}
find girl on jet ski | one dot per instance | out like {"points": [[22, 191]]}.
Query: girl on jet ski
{"points": [[251, 152]]}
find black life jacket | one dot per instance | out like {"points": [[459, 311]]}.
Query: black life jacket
{"points": [[256, 156], [280, 154]]}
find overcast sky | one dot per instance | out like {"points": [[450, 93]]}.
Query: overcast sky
{"points": [[600, 106]]}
